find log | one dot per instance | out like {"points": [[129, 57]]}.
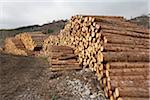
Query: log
{"points": [[110, 48], [133, 98], [67, 65], [64, 51], [54, 47], [126, 40], [131, 92], [128, 83], [124, 24], [106, 17], [63, 62], [69, 56], [127, 71], [61, 54], [129, 77], [126, 33], [124, 47], [107, 34], [126, 56], [66, 68], [111, 26], [122, 65], [118, 22]]}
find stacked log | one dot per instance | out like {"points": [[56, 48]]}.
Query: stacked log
{"points": [[32, 39], [38, 39], [27, 40], [125, 58], [62, 58], [29, 43], [14, 46], [116, 49]]}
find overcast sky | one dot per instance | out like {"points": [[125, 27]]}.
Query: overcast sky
{"points": [[16, 13]]}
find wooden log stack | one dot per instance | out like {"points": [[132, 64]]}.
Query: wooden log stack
{"points": [[32, 39], [27, 40], [62, 58], [125, 60], [30, 43], [14, 46], [116, 49]]}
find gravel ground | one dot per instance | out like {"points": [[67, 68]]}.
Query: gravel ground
{"points": [[29, 78]]}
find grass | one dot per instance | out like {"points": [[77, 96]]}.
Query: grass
{"points": [[54, 97]]}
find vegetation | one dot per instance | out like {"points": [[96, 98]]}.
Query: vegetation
{"points": [[50, 31], [54, 97]]}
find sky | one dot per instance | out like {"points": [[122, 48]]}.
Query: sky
{"points": [[17, 13]]}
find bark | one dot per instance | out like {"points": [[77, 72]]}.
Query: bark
{"points": [[126, 40], [111, 26], [125, 47], [129, 83], [133, 98], [122, 65], [129, 77], [126, 56], [63, 62], [132, 92], [126, 33], [128, 71], [64, 67]]}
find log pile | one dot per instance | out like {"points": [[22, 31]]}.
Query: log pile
{"points": [[25, 43], [32, 39], [116, 49], [62, 58], [27, 40], [14, 46]]}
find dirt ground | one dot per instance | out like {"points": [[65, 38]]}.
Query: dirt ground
{"points": [[29, 78]]}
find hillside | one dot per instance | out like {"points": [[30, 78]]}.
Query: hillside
{"points": [[49, 28], [141, 20]]}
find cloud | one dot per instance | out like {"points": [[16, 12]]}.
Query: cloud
{"points": [[15, 13]]}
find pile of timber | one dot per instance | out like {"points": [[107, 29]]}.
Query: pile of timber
{"points": [[32, 39], [62, 58], [29, 43], [14, 46], [117, 50], [38, 39], [27, 40], [125, 60]]}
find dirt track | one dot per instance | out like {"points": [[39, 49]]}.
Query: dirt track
{"points": [[28, 78]]}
